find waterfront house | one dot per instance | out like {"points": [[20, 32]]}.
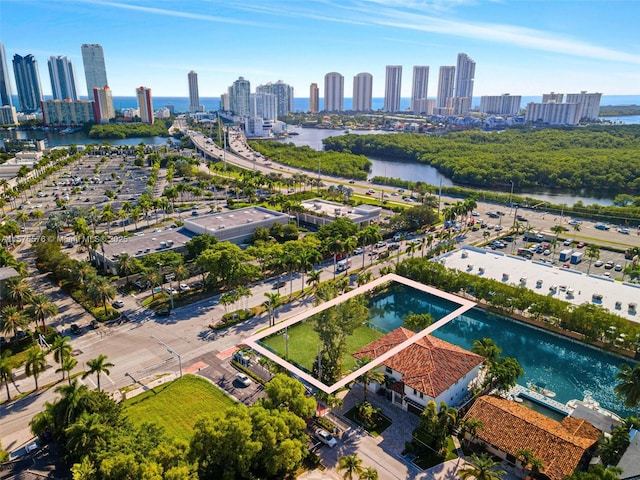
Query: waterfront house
{"points": [[429, 369], [509, 427]]}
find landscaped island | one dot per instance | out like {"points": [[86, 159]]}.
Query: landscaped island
{"points": [[130, 130]]}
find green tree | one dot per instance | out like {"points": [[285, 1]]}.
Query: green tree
{"points": [[101, 291], [12, 320], [18, 291], [98, 365], [61, 349], [530, 462], [274, 300], [351, 465], [7, 365], [84, 470], [126, 265], [288, 393], [372, 375], [35, 364], [504, 373], [40, 308], [628, 388], [481, 467], [593, 253], [488, 349], [67, 365], [369, 473]]}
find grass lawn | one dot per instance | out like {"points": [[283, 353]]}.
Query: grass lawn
{"points": [[303, 344], [429, 459], [176, 405], [382, 422]]}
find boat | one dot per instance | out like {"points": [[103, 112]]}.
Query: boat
{"points": [[540, 388], [588, 408]]}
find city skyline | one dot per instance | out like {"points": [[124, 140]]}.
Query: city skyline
{"points": [[518, 46]]}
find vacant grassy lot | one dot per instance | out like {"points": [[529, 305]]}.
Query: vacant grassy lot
{"points": [[177, 405], [303, 344]]}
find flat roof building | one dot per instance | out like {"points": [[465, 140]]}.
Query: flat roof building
{"points": [[321, 212]]}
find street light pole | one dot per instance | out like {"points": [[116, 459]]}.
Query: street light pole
{"points": [[170, 350]]}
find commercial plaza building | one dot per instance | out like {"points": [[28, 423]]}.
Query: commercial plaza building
{"points": [[235, 226]]}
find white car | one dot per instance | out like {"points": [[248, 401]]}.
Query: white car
{"points": [[358, 251], [243, 379], [325, 437], [118, 304], [184, 287]]}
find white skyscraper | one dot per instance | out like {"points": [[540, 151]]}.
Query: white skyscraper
{"points": [[264, 106], [362, 92], [5, 84], [95, 71], [333, 92], [194, 96], [446, 81], [63, 83], [419, 89], [239, 97], [392, 87], [590, 104], [500, 104], [552, 97], [465, 73]]}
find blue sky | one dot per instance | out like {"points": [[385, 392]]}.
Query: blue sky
{"points": [[523, 47]]}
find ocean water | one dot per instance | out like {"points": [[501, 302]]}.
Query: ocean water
{"points": [[181, 104]]}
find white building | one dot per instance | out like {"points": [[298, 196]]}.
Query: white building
{"points": [[362, 92], [283, 94], [504, 104], [446, 82], [333, 92], [552, 97], [554, 113], [458, 105], [194, 95], [239, 97], [392, 88], [8, 115], [95, 71], [264, 106], [465, 73], [419, 90], [590, 103], [63, 82], [103, 110], [429, 369]]}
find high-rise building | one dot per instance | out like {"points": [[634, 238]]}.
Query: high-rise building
{"points": [[362, 92], [333, 92], [392, 87], [8, 115], [145, 104], [465, 73], [590, 104], [62, 113], [553, 113], [63, 82], [446, 83], [5, 83], [27, 83], [552, 97], [263, 105], [194, 96], [419, 89], [103, 105], [225, 102], [283, 94], [239, 97], [95, 71], [314, 98], [500, 104]]}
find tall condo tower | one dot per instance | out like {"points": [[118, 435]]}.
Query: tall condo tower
{"points": [[27, 82], [362, 92], [283, 94], [239, 97], [5, 84], [446, 81], [314, 98], [194, 96], [465, 73], [333, 92], [145, 104], [94, 69], [393, 84], [63, 82], [103, 110], [419, 89]]}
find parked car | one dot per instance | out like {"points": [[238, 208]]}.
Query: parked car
{"points": [[279, 284], [117, 304], [567, 243], [163, 313], [243, 379], [75, 329], [184, 287], [598, 263], [358, 251], [94, 324], [325, 437], [618, 268]]}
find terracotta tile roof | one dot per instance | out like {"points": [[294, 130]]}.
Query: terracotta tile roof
{"points": [[430, 365], [510, 427]]}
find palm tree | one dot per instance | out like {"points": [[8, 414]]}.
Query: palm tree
{"points": [[371, 375], [272, 303], [101, 291], [36, 363], [11, 320], [86, 433], [68, 364], [126, 265], [6, 371], [314, 278], [593, 253], [98, 366], [61, 349], [41, 307], [629, 387], [84, 470], [369, 473], [481, 467], [530, 462], [488, 349], [18, 291], [351, 464]]}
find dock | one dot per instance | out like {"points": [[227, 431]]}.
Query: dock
{"points": [[537, 397]]}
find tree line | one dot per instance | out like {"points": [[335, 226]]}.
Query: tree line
{"points": [[595, 157]]}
